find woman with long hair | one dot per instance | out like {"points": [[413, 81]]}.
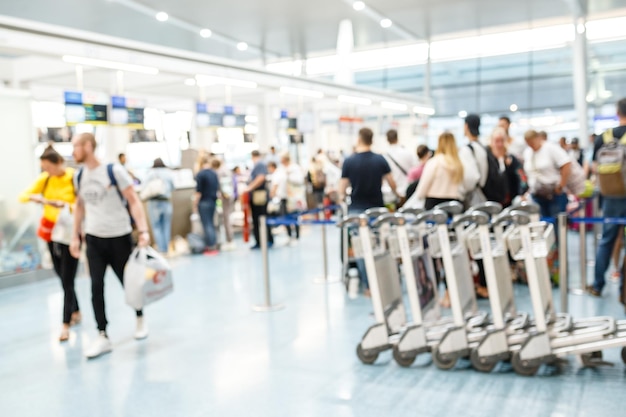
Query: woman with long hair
{"points": [[54, 189], [159, 203], [442, 178]]}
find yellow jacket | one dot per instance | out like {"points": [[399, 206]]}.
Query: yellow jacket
{"points": [[58, 189]]}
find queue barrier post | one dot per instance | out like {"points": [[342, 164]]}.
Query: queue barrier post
{"points": [[563, 279], [267, 306]]}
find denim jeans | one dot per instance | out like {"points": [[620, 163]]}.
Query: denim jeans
{"points": [[206, 209], [160, 212], [611, 207], [552, 207]]}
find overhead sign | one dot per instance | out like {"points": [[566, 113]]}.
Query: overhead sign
{"points": [[127, 112], [89, 108]]}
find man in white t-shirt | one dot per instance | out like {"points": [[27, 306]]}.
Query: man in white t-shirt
{"points": [[548, 168], [401, 161], [474, 159], [288, 187], [107, 229]]}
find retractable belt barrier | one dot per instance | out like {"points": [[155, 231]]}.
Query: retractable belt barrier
{"points": [[292, 220], [562, 222]]}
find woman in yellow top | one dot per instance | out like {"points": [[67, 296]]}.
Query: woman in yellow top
{"points": [[54, 189]]}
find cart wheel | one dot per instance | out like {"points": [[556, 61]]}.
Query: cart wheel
{"points": [[442, 362], [624, 354], [404, 361], [481, 364], [367, 359], [522, 367]]}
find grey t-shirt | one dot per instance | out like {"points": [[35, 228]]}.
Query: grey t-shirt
{"points": [[106, 214]]}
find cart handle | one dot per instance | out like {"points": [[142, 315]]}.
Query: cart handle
{"points": [[435, 216], [376, 211], [520, 217], [528, 207], [352, 219], [413, 211], [490, 207], [397, 219], [450, 207], [477, 217]]}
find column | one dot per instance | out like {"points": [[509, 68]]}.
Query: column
{"points": [[580, 79]]}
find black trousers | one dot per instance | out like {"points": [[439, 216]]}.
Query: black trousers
{"points": [[258, 211], [65, 266], [284, 212], [102, 252]]}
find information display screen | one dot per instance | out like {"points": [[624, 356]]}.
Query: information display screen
{"points": [[85, 108], [125, 112]]}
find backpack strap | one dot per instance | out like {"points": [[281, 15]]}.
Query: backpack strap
{"points": [[114, 182], [76, 183], [608, 137]]}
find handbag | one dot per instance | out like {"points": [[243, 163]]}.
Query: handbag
{"points": [[44, 230], [259, 197], [154, 188], [545, 191], [62, 230], [147, 278]]}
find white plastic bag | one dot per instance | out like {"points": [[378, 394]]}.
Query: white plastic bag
{"points": [[147, 278], [62, 231]]}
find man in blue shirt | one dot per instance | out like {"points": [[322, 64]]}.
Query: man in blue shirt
{"points": [[207, 186], [258, 198], [365, 172]]}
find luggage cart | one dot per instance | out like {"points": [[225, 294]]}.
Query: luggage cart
{"points": [[586, 338], [448, 244], [385, 288], [506, 321], [407, 245]]}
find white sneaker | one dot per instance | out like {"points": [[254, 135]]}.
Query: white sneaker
{"points": [[142, 329], [98, 347], [229, 246]]}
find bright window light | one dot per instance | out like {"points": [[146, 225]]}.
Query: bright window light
{"points": [[206, 33], [301, 92], [355, 100], [358, 5], [386, 23], [162, 17], [190, 82], [101, 63], [607, 29], [394, 106], [400, 56], [286, 67], [206, 80], [252, 119], [242, 46], [322, 65], [428, 111]]}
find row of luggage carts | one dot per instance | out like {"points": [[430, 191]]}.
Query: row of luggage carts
{"points": [[408, 317]]}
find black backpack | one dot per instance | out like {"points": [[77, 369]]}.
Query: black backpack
{"points": [[496, 186]]}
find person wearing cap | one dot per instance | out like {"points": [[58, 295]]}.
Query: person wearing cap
{"points": [[474, 159]]}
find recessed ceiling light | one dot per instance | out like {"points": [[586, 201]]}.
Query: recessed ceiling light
{"points": [[358, 5], [428, 111], [190, 82], [242, 46], [463, 114], [513, 107], [206, 33], [162, 16], [386, 23]]}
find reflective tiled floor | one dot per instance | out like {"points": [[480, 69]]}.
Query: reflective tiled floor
{"points": [[209, 354]]}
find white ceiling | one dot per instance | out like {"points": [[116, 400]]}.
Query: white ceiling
{"points": [[288, 28]]}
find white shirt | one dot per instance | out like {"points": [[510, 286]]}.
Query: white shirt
{"points": [[517, 148], [406, 159], [544, 165], [475, 166], [291, 174]]}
